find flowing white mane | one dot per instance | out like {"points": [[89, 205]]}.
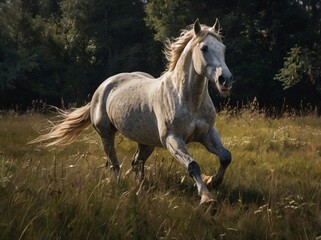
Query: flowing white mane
{"points": [[173, 49]]}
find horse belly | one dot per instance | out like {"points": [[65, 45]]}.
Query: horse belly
{"points": [[140, 129], [134, 119]]}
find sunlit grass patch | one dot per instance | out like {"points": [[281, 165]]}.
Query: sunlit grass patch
{"points": [[272, 189]]}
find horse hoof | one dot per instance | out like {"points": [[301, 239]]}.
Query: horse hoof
{"points": [[211, 182], [205, 178], [206, 199], [208, 180], [209, 205]]}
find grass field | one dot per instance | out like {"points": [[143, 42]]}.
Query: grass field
{"points": [[272, 189]]}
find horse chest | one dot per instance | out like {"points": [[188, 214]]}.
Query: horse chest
{"points": [[192, 125]]}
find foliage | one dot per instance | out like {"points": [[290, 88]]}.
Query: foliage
{"points": [[271, 189], [167, 17], [302, 66], [294, 67], [51, 49]]}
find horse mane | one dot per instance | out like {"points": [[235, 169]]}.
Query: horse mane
{"points": [[174, 48]]}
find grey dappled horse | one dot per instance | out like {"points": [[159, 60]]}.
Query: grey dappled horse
{"points": [[168, 112]]}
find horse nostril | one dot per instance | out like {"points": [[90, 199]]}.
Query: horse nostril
{"points": [[221, 80]]}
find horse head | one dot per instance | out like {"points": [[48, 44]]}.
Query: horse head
{"points": [[209, 56]]}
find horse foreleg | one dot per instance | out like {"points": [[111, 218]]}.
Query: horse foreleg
{"points": [[142, 154], [177, 148], [213, 144]]}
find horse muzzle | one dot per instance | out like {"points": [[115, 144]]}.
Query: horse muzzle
{"points": [[223, 83], [222, 79]]}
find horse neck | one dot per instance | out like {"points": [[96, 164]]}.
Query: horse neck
{"points": [[192, 88]]}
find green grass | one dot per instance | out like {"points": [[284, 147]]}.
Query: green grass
{"points": [[272, 189]]}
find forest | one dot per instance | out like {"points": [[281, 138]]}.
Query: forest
{"points": [[54, 50]]}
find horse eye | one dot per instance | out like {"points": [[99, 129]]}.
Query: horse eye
{"points": [[204, 48]]}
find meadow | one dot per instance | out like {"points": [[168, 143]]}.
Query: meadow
{"points": [[272, 189]]}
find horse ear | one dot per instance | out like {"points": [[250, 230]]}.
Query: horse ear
{"points": [[197, 27], [217, 26]]}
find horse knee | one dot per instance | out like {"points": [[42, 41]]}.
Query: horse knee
{"points": [[226, 158]]}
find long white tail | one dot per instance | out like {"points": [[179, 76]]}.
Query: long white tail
{"points": [[68, 129]]}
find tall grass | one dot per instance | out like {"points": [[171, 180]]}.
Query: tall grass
{"points": [[272, 189]]}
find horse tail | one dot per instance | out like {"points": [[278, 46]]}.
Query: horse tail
{"points": [[66, 131]]}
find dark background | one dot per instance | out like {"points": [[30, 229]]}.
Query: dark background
{"points": [[53, 49]]}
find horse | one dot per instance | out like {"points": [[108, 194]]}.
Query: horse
{"points": [[169, 111]]}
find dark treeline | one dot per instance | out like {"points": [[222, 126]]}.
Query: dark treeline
{"points": [[54, 49]]}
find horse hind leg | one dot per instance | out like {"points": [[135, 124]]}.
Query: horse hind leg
{"points": [[108, 143], [104, 127], [142, 154]]}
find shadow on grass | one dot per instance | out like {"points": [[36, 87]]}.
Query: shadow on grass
{"points": [[240, 195], [173, 181]]}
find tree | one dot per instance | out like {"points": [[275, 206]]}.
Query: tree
{"points": [[105, 38], [27, 53], [167, 17], [302, 69], [51, 49]]}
